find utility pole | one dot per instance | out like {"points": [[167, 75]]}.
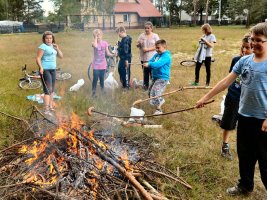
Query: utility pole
{"points": [[169, 14], [220, 5], [180, 11], [6, 9]]}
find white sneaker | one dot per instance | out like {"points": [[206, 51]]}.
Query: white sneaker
{"points": [[47, 112], [158, 112], [162, 102]]}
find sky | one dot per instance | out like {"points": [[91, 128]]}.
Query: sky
{"points": [[47, 6]]}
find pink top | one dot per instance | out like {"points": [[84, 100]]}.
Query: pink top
{"points": [[99, 61], [147, 42]]}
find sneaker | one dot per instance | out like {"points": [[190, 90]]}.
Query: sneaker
{"points": [[48, 113], [158, 112], [194, 83], [237, 190], [162, 102], [52, 109], [225, 151]]}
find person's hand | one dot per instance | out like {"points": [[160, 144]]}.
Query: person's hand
{"points": [[41, 70], [126, 64], [264, 126], [201, 103], [139, 44], [203, 40], [145, 64], [145, 50], [55, 46]]}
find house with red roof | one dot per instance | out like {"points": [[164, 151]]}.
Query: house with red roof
{"points": [[134, 13], [129, 13]]}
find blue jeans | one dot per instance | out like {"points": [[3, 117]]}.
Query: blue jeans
{"points": [[98, 74], [48, 80]]}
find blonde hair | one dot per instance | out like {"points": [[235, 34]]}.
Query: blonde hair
{"points": [[97, 31], [48, 33], [120, 29], [259, 29], [207, 28]]}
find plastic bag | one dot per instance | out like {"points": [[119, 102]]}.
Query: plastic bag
{"points": [[222, 105], [111, 82], [77, 86], [136, 112]]}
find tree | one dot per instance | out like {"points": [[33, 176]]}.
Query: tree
{"points": [[33, 10], [207, 11], [196, 7], [11, 9]]}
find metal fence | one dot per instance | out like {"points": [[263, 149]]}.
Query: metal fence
{"points": [[32, 28]]}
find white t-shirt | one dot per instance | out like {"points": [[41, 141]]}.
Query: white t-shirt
{"points": [[210, 38], [147, 42]]}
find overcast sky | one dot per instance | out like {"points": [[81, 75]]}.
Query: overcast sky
{"points": [[47, 6]]}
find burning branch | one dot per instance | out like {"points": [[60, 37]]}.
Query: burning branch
{"points": [[71, 163]]}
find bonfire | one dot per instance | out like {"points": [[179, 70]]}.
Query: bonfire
{"points": [[69, 160]]}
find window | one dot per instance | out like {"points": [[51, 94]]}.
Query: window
{"points": [[126, 18]]}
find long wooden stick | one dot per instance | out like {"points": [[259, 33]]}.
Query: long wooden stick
{"points": [[170, 177], [14, 117], [92, 110], [168, 93]]}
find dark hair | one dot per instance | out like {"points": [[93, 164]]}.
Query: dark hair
{"points": [[48, 33], [162, 42], [246, 38]]}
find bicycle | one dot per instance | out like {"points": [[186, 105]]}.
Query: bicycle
{"points": [[61, 75], [191, 63], [29, 82], [111, 63]]}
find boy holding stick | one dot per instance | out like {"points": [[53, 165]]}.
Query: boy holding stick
{"points": [[252, 121], [160, 65]]}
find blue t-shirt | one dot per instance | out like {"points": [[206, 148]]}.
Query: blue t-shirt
{"points": [[253, 76], [234, 89], [161, 65], [48, 59]]}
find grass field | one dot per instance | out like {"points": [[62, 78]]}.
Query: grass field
{"points": [[188, 140]]}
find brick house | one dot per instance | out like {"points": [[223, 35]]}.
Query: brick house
{"points": [[134, 13]]}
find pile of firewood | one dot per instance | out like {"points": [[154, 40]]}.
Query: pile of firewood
{"points": [[71, 161]]}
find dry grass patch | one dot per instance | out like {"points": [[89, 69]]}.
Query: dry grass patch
{"points": [[188, 140]]}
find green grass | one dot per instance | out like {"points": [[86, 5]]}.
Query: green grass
{"points": [[188, 140]]}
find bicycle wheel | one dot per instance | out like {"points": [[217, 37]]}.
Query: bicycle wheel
{"points": [[90, 72], [61, 76], [188, 63], [26, 85]]}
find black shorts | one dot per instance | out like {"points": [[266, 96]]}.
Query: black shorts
{"points": [[230, 114]]}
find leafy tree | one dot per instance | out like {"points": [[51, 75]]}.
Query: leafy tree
{"points": [[33, 10], [197, 7], [11, 9]]}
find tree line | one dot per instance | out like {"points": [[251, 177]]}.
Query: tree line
{"points": [[253, 11], [21, 10], [29, 10]]}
